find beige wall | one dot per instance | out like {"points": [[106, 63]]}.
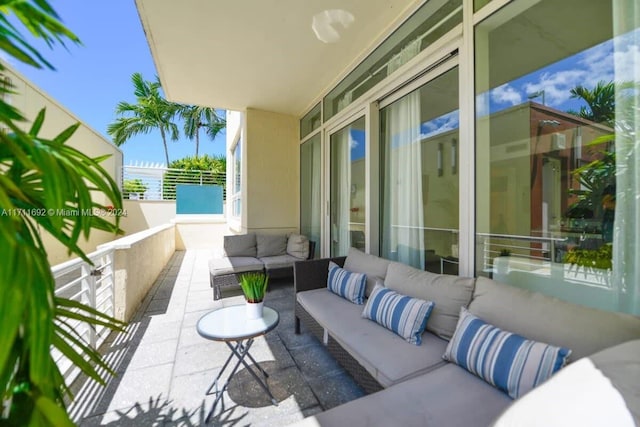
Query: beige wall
{"points": [[145, 214], [30, 100], [139, 259], [201, 233], [272, 160]]}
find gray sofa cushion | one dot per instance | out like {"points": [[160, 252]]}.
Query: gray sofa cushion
{"points": [[445, 397], [271, 245], [240, 245], [538, 317], [449, 293], [221, 266], [279, 261], [298, 246], [621, 364], [385, 355], [371, 265]]}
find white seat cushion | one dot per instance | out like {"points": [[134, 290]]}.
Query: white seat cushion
{"points": [[279, 261], [229, 265], [385, 355], [448, 396]]}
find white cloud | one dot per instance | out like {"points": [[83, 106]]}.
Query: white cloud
{"points": [[506, 94], [627, 61], [442, 124], [556, 86], [592, 66], [353, 143], [482, 104]]}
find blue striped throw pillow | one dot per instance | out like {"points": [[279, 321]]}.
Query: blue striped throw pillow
{"points": [[347, 284], [505, 360], [406, 316]]}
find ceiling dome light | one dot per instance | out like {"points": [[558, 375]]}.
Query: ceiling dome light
{"points": [[323, 24]]}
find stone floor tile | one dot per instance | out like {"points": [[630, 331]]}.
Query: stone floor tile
{"points": [[200, 357], [137, 386], [153, 354], [335, 389], [314, 361], [303, 377]]}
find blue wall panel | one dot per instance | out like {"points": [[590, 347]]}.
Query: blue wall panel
{"points": [[198, 199]]}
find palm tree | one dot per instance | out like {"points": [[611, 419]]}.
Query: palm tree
{"points": [[196, 117], [601, 102], [151, 112]]}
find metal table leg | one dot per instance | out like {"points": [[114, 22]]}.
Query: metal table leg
{"points": [[240, 350]]}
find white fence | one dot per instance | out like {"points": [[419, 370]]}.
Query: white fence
{"points": [[92, 285], [159, 183]]}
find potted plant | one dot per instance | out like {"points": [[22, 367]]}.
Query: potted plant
{"points": [[501, 265], [505, 252], [254, 286]]}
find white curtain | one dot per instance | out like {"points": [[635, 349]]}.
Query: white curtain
{"points": [[341, 191], [405, 219], [626, 256], [316, 196]]}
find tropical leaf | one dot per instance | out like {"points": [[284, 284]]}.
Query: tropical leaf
{"points": [[196, 117], [152, 111]]}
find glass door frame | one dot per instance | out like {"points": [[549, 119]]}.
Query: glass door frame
{"points": [[370, 114]]}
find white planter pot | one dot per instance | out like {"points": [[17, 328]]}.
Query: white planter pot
{"points": [[254, 310]]}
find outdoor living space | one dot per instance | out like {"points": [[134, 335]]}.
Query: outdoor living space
{"points": [[164, 367], [465, 172]]}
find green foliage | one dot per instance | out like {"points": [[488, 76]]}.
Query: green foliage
{"points": [[152, 111], [254, 286], [505, 252], [38, 178], [595, 258], [41, 177], [133, 186], [601, 102], [191, 173], [196, 117], [594, 178], [215, 164]]}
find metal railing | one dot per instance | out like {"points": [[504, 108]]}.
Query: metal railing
{"points": [[525, 247], [159, 183], [92, 285]]}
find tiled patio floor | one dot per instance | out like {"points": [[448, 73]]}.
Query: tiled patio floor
{"points": [[164, 367]]}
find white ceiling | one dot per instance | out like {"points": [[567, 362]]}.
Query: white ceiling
{"points": [[258, 53]]}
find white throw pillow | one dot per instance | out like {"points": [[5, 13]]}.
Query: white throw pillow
{"points": [[578, 395], [298, 246]]}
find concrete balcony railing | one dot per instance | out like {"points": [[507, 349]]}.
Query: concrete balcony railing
{"points": [[138, 259], [115, 283]]}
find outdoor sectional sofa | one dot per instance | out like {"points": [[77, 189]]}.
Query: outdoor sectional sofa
{"points": [[412, 385], [274, 254]]}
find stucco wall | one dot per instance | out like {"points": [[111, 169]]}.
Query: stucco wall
{"points": [[30, 100], [271, 199], [139, 259], [204, 232], [145, 214]]}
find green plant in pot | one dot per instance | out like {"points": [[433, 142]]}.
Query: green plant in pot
{"points": [[254, 287], [505, 252]]}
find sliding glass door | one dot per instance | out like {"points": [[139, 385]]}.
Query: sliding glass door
{"points": [[310, 193], [419, 166], [347, 188]]}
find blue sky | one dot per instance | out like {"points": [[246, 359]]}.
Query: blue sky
{"points": [[92, 78]]}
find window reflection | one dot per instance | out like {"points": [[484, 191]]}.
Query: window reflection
{"points": [[419, 141], [545, 144]]}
